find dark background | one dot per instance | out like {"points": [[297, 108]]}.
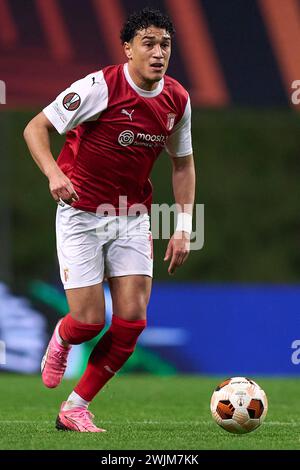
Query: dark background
{"points": [[245, 128]]}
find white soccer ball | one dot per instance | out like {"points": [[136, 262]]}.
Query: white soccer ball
{"points": [[239, 405]]}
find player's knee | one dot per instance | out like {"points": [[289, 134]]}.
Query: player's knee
{"points": [[88, 316], [133, 312]]}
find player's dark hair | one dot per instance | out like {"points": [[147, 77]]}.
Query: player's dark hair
{"points": [[143, 19]]}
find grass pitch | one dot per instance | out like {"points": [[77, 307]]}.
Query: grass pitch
{"points": [[143, 412]]}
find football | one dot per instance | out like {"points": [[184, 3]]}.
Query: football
{"points": [[239, 405]]}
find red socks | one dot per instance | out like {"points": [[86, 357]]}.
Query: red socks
{"points": [[76, 332], [109, 355]]}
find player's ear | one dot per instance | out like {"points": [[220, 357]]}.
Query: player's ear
{"points": [[127, 50]]}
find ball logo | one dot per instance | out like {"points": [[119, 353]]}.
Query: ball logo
{"points": [[71, 101], [126, 138]]}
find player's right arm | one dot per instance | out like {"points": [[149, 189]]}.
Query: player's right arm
{"points": [[36, 135], [83, 101]]}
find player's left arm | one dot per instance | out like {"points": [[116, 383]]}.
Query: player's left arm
{"points": [[179, 147], [183, 179]]}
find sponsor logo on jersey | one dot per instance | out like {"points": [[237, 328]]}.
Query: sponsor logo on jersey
{"points": [[94, 81], [124, 111], [60, 113], [151, 138], [71, 101], [127, 138], [170, 121]]}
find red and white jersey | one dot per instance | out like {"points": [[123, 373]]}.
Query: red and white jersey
{"points": [[115, 131]]}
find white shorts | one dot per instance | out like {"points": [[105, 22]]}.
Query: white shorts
{"points": [[90, 246]]}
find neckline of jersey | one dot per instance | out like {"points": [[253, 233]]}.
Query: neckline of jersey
{"points": [[140, 91]]}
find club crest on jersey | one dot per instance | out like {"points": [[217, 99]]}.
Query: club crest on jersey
{"points": [[71, 101], [171, 121]]}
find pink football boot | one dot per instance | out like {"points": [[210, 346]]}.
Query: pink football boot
{"points": [[54, 362], [77, 419]]}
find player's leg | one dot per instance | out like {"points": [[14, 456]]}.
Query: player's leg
{"points": [[129, 266], [129, 269], [130, 296], [81, 263], [85, 321], [87, 314]]}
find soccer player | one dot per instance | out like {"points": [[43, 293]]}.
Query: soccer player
{"points": [[117, 121]]}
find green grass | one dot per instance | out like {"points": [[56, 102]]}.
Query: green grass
{"points": [[143, 412]]}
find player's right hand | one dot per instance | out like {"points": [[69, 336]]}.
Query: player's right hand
{"points": [[61, 188]]}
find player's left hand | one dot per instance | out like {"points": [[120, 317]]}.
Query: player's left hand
{"points": [[178, 250]]}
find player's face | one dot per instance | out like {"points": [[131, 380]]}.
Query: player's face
{"points": [[148, 56]]}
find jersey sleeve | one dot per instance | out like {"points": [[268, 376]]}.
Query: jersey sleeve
{"points": [[179, 143], [83, 101]]}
